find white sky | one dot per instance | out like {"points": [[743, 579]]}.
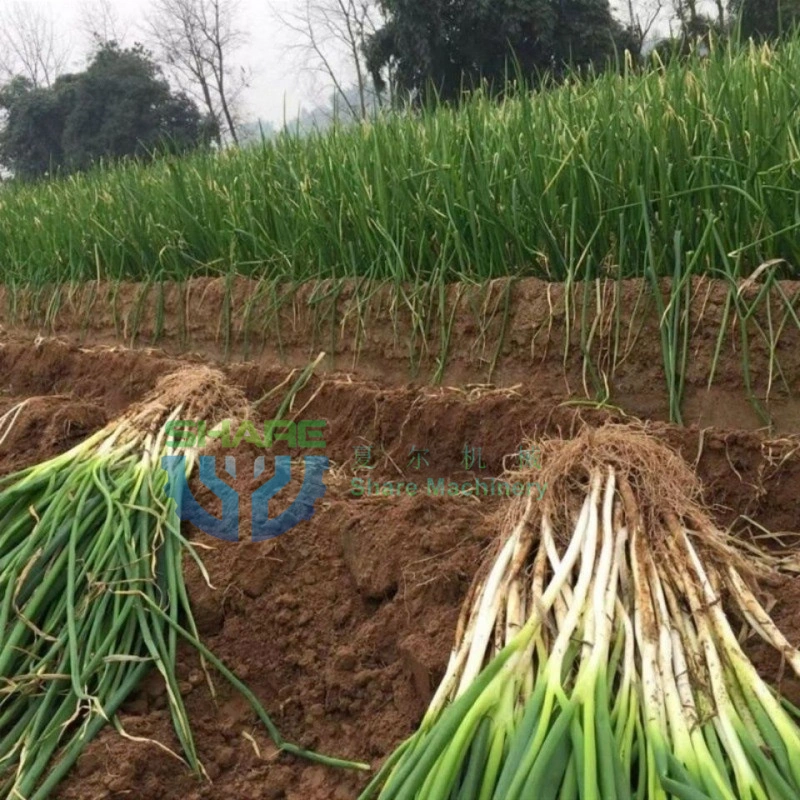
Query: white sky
{"points": [[279, 84]]}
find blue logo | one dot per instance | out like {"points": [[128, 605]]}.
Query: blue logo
{"points": [[227, 527]]}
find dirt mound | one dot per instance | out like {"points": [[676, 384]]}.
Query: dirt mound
{"points": [[40, 427], [343, 626]]}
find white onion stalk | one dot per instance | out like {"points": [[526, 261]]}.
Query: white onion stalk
{"points": [[595, 661], [760, 620]]}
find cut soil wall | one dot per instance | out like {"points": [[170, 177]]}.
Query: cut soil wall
{"points": [[601, 340]]}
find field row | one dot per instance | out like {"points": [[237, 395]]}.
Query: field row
{"points": [[674, 172], [631, 343]]}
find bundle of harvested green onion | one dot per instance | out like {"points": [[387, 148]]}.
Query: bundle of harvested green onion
{"points": [[92, 594], [594, 658]]}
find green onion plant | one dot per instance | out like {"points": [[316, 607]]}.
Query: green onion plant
{"points": [[595, 658], [92, 591]]}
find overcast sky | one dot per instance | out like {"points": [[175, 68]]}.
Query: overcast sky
{"points": [[277, 81], [279, 86]]}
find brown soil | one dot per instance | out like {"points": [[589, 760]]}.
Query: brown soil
{"points": [[598, 341], [343, 627]]}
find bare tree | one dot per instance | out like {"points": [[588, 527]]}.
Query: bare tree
{"points": [[102, 24], [642, 17], [331, 38], [29, 46], [686, 12], [196, 40]]}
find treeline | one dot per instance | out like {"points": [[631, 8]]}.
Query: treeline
{"points": [[120, 106], [445, 46], [133, 102]]}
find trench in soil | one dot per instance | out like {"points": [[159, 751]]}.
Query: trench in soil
{"points": [[343, 626], [600, 340]]}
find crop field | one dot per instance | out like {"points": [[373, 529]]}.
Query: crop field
{"points": [[551, 347]]}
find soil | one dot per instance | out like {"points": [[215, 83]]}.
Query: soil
{"points": [[596, 341], [343, 627]]}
